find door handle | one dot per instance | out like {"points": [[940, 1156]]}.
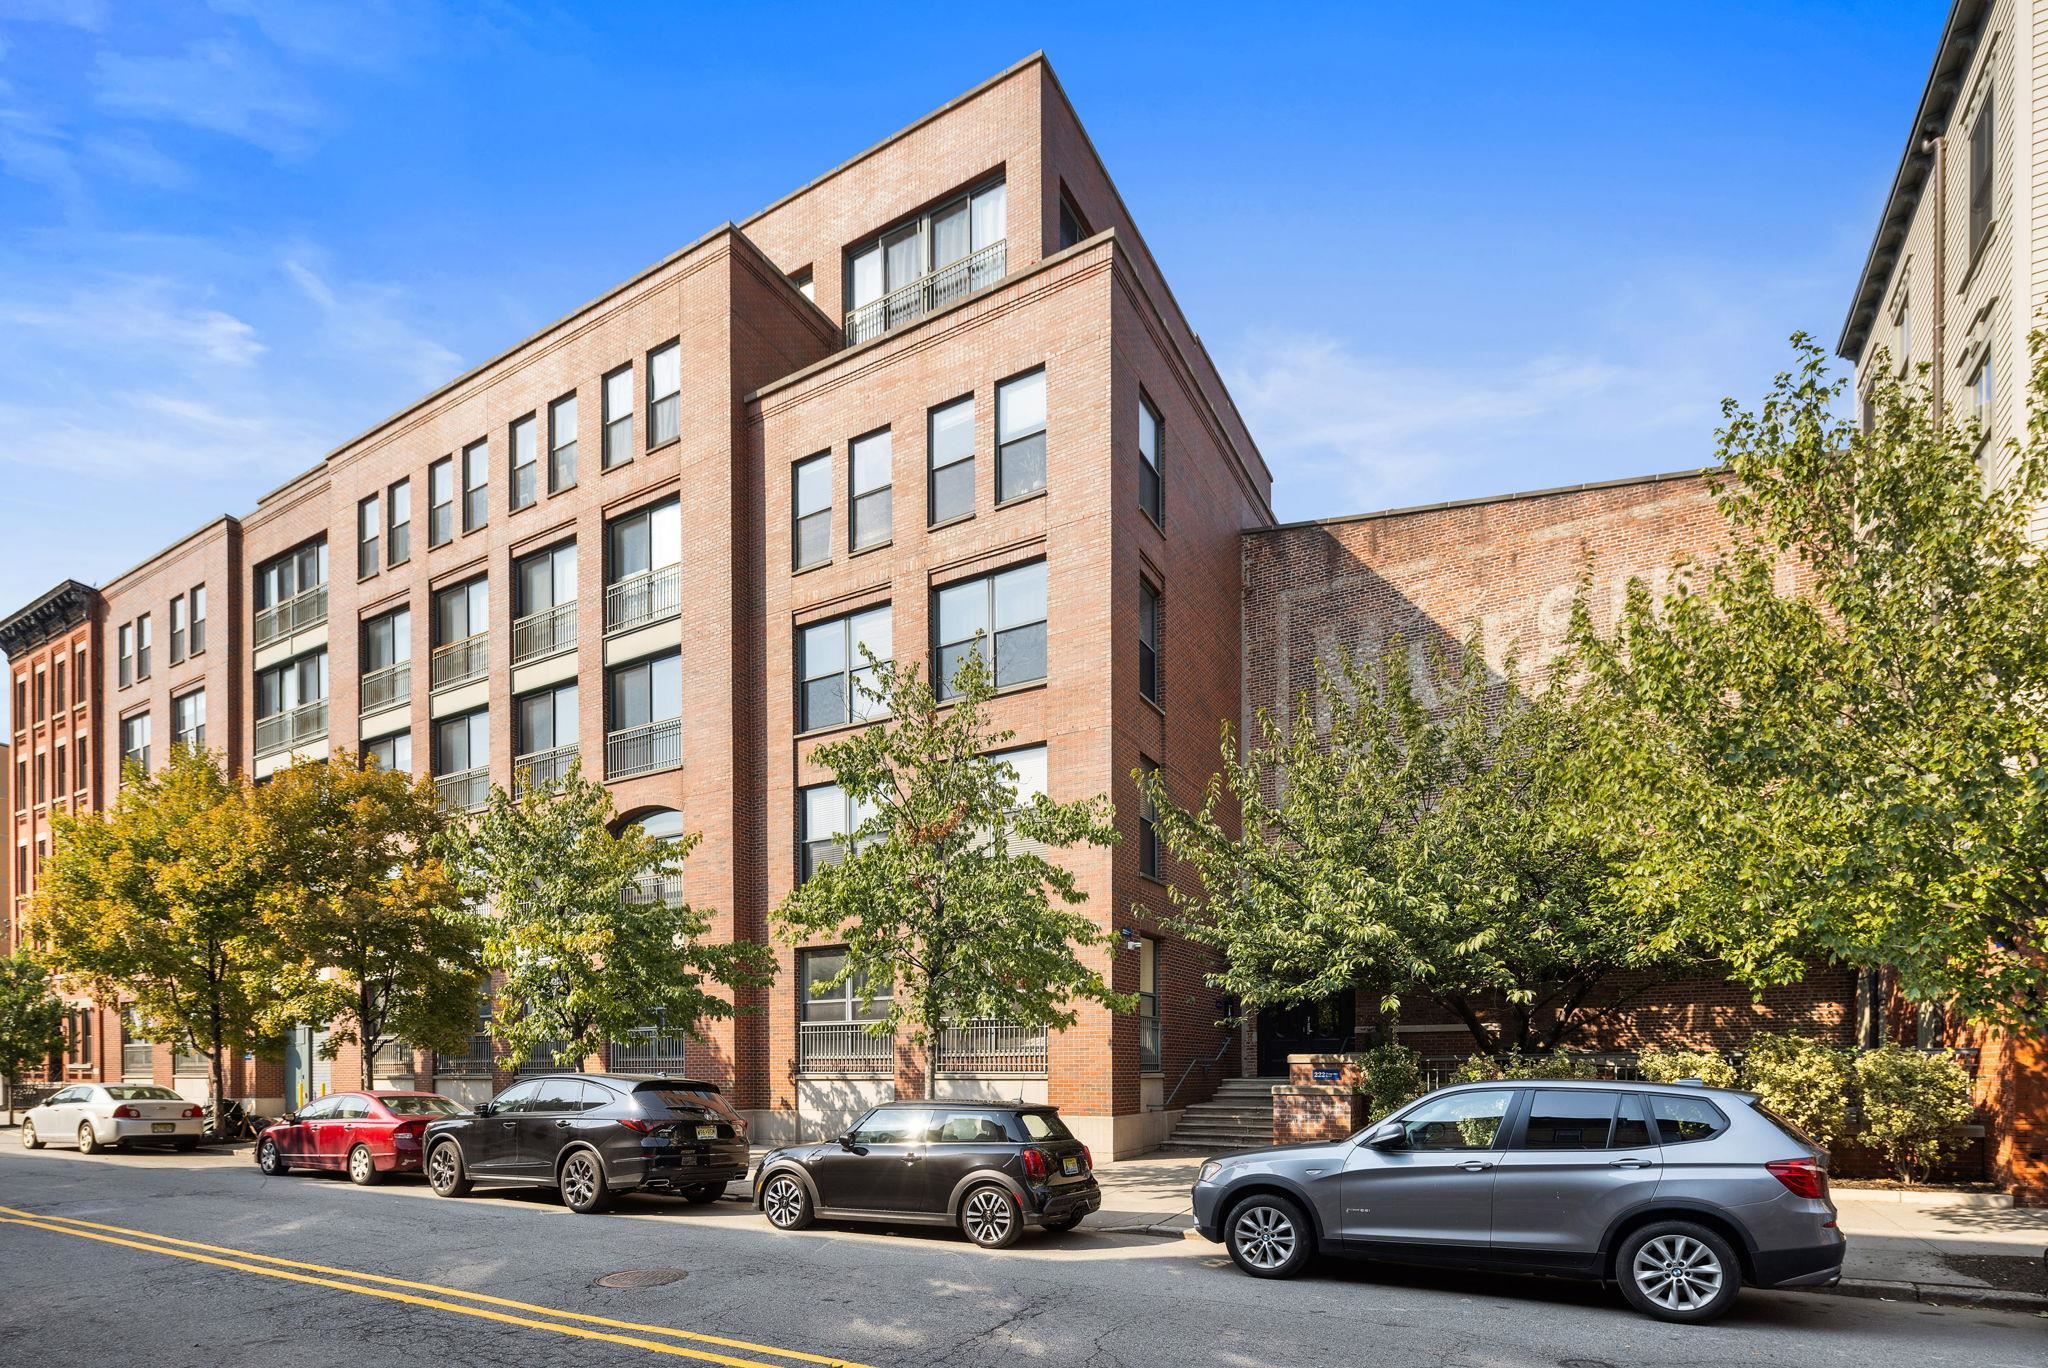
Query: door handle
{"points": [[1631, 1163], [508, 1125], [561, 1125], [912, 1157], [1476, 1165]]}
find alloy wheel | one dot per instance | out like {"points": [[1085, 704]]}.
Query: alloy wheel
{"points": [[28, 1134], [266, 1156], [361, 1167], [1265, 1237], [988, 1217], [443, 1169], [1677, 1272], [783, 1201], [87, 1141], [579, 1180]]}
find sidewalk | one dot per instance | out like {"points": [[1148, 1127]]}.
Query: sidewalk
{"points": [[1904, 1246]]}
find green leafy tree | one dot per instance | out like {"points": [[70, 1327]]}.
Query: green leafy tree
{"points": [[943, 890], [1389, 1075], [31, 1020], [1375, 841], [1659, 1065], [588, 955], [1830, 742], [1804, 1080], [1912, 1104], [368, 932], [1515, 1066], [159, 898]]}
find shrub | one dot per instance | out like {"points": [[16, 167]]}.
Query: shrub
{"points": [[1803, 1080], [1912, 1104], [1392, 1077], [1515, 1065], [1668, 1066]]}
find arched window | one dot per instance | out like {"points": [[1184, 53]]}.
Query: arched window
{"points": [[663, 824]]}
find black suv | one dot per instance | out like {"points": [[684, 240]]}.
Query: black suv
{"points": [[591, 1135], [991, 1168]]}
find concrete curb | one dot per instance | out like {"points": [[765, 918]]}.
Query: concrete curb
{"points": [[1939, 1294], [1902, 1197]]}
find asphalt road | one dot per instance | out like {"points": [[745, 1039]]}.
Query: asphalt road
{"points": [[286, 1270]]}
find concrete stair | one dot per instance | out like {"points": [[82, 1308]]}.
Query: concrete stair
{"points": [[1240, 1116]]}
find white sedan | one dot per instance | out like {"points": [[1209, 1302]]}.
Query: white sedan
{"points": [[99, 1116]]}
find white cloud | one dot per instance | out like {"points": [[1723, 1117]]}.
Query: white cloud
{"points": [[132, 315], [219, 85], [367, 320]]}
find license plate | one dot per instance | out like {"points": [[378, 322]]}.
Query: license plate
{"points": [[163, 1127], [1070, 1165], [707, 1132]]}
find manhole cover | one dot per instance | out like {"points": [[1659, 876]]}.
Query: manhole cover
{"points": [[642, 1277]]}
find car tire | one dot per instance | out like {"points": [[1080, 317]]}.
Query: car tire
{"points": [[29, 1138], [581, 1181], [786, 1202], [362, 1167], [446, 1173], [88, 1139], [1678, 1271], [270, 1159], [989, 1216], [703, 1194], [1064, 1223], [1269, 1236]]}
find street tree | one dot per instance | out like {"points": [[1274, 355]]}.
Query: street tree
{"points": [[591, 948], [31, 1020], [1418, 850], [1831, 741], [944, 890], [159, 899], [366, 929]]}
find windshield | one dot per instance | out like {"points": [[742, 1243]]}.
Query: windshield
{"points": [[1044, 1126], [692, 1099], [421, 1106], [141, 1092]]}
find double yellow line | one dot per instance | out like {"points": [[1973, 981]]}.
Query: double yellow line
{"points": [[656, 1339]]}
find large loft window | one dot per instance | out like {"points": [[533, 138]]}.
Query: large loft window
{"points": [[1005, 611], [387, 661], [544, 603], [644, 716], [837, 682], [291, 592], [926, 263], [291, 704], [643, 554], [462, 620]]}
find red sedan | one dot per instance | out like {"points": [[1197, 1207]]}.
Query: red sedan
{"points": [[363, 1134]]}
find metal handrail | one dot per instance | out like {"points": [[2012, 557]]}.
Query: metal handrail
{"points": [[282, 731], [844, 1047], [307, 608], [643, 750], [1207, 1064], [649, 596], [666, 889], [458, 662], [927, 294], [544, 633], [386, 688], [541, 767], [466, 790]]}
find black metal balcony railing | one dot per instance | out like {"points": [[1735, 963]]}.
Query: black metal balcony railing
{"points": [[650, 596], [541, 768], [992, 1047], [844, 1048], [461, 661], [652, 1050], [643, 750], [666, 889], [388, 687], [307, 608], [288, 730], [477, 1062], [465, 791], [928, 294], [545, 633]]}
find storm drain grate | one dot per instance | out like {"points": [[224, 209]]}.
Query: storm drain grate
{"points": [[641, 1277]]}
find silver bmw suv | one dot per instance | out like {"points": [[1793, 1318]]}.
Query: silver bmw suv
{"points": [[1679, 1193]]}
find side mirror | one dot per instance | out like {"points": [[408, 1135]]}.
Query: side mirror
{"points": [[486, 1108], [289, 1118], [846, 1141], [1387, 1135]]}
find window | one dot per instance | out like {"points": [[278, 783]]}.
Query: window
{"points": [[562, 444], [1148, 1006], [949, 442], [1020, 436], [142, 640], [618, 417], [393, 752], [57, 687], [1148, 823], [522, 445], [931, 242], [1151, 438], [296, 572], [21, 785], [42, 773], [294, 684], [873, 460], [386, 660], [21, 691], [178, 630], [1462, 1121], [198, 626], [58, 787], [441, 502], [545, 720], [805, 285], [1005, 610], [643, 553], [1904, 320], [893, 1126], [811, 486], [462, 611], [544, 603], [664, 394], [1980, 393], [188, 720], [967, 1128], [1148, 640], [462, 743], [1983, 145], [42, 696], [646, 692], [827, 819], [833, 671], [1569, 1120], [1681, 1120], [853, 1000], [369, 537], [398, 528], [135, 741], [1073, 228], [476, 486], [1027, 771]]}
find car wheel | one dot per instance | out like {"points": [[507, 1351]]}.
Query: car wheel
{"points": [[29, 1138], [989, 1217], [362, 1167], [583, 1185], [703, 1194], [1268, 1237], [1065, 1223], [88, 1142], [270, 1159], [444, 1170], [786, 1202], [1678, 1271]]}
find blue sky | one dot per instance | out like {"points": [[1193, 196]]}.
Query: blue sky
{"points": [[1437, 254]]}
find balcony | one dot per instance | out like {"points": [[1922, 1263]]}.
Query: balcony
{"points": [[992, 1047], [548, 632], [307, 608], [844, 1048], [479, 1062], [138, 1058], [387, 688], [652, 1050], [541, 768], [466, 791], [643, 750], [461, 661], [928, 294], [287, 731], [650, 596], [665, 889]]}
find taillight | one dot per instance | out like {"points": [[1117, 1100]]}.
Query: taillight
{"points": [[1036, 1163], [1801, 1177], [634, 1123], [191, 1113], [124, 1112], [1088, 1158]]}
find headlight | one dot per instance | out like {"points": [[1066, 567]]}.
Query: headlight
{"points": [[1209, 1171]]}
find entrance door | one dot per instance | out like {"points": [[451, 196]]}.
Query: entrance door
{"points": [[1306, 1028]]}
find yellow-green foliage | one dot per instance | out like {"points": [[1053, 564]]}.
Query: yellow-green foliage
{"points": [[1803, 1080], [1912, 1104], [1668, 1066]]}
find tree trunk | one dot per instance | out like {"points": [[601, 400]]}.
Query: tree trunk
{"points": [[219, 1064], [366, 1038]]}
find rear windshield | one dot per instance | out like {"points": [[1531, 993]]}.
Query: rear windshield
{"points": [[141, 1092], [690, 1099], [1782, 1124], [1044, 1126], [422, 1106]]}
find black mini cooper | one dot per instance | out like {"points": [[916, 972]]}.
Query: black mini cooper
{"points": [[993, 1169], [592, 1135]]}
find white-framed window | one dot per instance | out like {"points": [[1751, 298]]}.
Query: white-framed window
{"points": [[1981, 393], [1983, 151], [1020, 436], [179, 628], [188, 720], [873, 461], [135, 741], [198, 638], [142, 643], [832, 671], [618, 417], [124, 651], [930, 242], [811, 510], [1001, 618]]}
